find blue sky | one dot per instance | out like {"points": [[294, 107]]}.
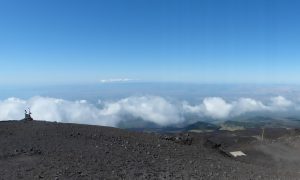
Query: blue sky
{"points": [[204, 41]]}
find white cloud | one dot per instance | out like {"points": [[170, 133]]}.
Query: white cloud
{"points": [[218, 108], [149, 108], [115, 80], [244, 105], [214, 107], [280, 102], [12, 108], [153, 109]]}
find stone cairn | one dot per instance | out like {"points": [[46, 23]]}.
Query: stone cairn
{"points": [[28, 116]]}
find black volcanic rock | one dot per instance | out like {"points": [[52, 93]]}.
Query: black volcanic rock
{"points": [[44, 150], [184, 139]]}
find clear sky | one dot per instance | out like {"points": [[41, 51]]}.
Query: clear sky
{"points": [[211, 41]]}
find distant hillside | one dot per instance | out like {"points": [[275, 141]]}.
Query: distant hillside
{"points": [[201, 126], [259, 122]]}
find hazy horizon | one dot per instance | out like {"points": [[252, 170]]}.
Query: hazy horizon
{"points": [[163, 104]]}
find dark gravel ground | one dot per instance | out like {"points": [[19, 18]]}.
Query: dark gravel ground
{"points": [[44, 150]]}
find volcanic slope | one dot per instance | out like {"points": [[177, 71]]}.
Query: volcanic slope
{"points": [[45, 150]]}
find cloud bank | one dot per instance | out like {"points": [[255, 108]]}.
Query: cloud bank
{"points": [[154, 109], [149, 108], [218, 108]]}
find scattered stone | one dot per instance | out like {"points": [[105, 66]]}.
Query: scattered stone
{"points": [[44, 150], [184, 139]]}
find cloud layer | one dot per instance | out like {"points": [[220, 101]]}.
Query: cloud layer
{"points": [[149, 108], [218, 108], [154, 109]]}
